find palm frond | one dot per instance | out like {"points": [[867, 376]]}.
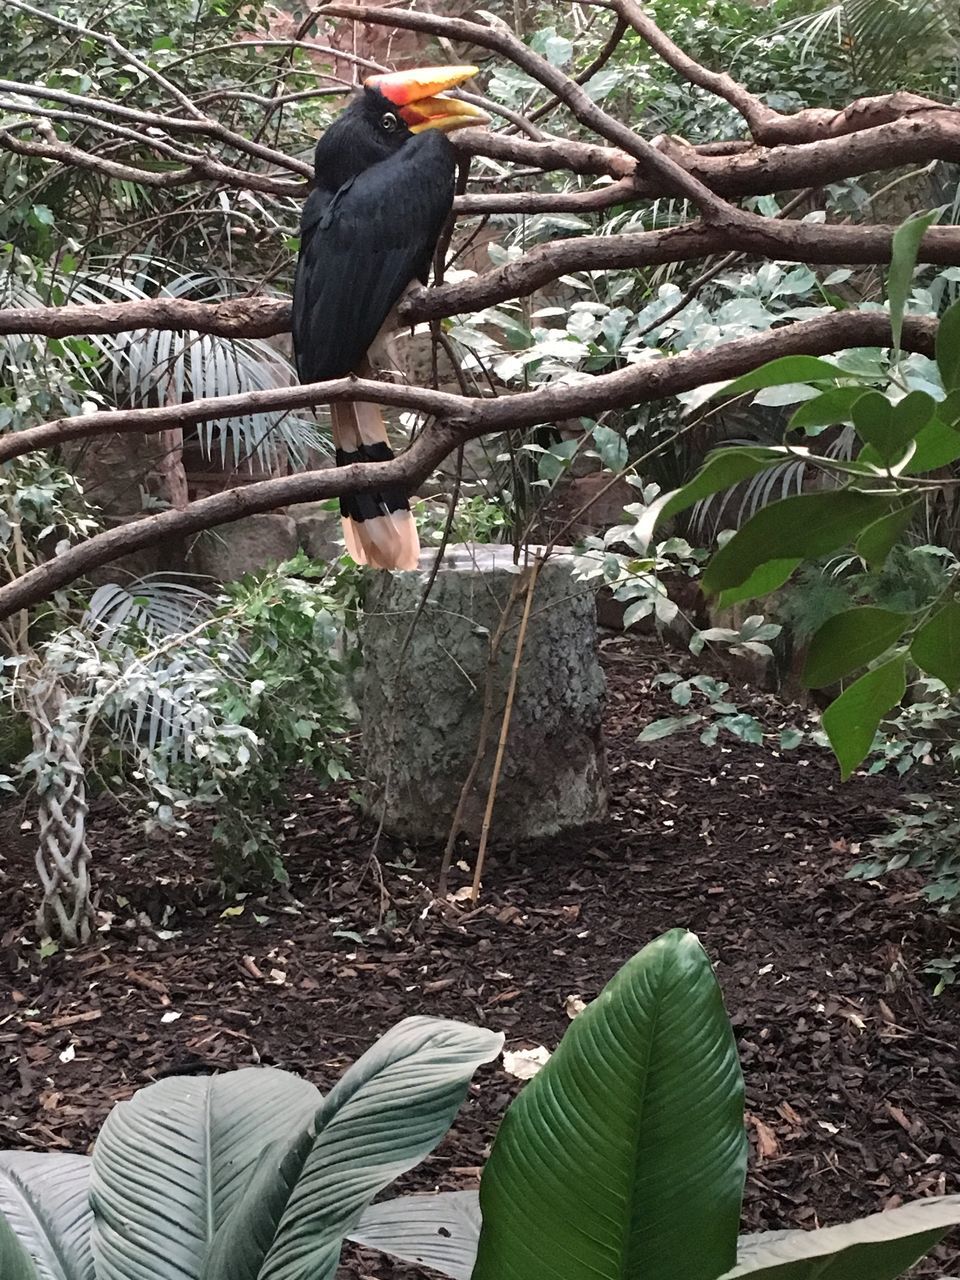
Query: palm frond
{"points": [[151, 624]]}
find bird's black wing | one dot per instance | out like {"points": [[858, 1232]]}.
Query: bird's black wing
{"points": [[360, 250]]}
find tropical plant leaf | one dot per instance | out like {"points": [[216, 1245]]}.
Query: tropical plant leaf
{"points": [[851, 721], [827, 409], [44, 1202], [780, 372], [879, 1247], [626, 1153], [850, 640], [387, 1112], [903, 259], [879, 538], [170, 1164], [722, 469], [948, 348], [15, 1263], [441, 1232], [803, 527], [936, 646]]}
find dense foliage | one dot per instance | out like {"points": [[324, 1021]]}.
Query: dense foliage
{"points": [[626, 1155]]}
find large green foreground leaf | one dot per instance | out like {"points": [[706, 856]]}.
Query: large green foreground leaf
{"points": [[170, 1164], [44, 1206], [876, 1248], [626, 1155], [441, 1232], [15, 1262], [388, 1111]]}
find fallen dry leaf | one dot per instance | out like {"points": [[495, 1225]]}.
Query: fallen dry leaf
{"points": [[524, 1064], [574, 1005]]}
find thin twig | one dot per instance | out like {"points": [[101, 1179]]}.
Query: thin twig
{"points": [[486, 720], [504, 731]]}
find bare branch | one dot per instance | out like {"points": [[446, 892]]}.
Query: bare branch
{"points": [[502, 40], [167, 124], [258, 317], [636, 384]]}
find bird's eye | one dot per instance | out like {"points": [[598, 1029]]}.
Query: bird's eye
{"points": [[389, 122]]}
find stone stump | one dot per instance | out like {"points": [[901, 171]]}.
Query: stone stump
{"points": [[420, 731]]}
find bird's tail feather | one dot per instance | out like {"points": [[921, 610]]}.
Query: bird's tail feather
{"points": [[378, 526]]}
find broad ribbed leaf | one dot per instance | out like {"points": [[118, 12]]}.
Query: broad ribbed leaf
{"points": [[43, 1199], [878, 539], [948, 348], [15, 1262], [876, 1248], [441, 1232], [903, 260], [171, 1163], [388, 1111], [625, 1156], [721, 470]]}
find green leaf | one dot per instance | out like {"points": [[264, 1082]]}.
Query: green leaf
{"points": [[192, 1142], [722, 468], [948, 348], [387, 1112], [611, 447], [43, 1201], [879, 538], [879, 1247], [937, 446], [15, 1262], [658, 729], [764, 579], [441, 1232], [903, 259], [802, 527], [851, 721], [851, 640], [625, 1155], [889, 428], [936, 646], [775, 373], [827, 410]]}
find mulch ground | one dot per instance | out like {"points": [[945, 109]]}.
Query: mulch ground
{"points": [[851, 1063]]}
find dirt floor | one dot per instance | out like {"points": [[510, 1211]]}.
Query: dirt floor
{"points": [[853, 1080]]}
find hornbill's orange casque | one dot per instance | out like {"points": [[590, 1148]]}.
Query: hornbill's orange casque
{"points": [[383, 190]]}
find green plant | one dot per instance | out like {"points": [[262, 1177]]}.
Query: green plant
{"points": [[248, 1174], [626, 1155], [926, 838]]}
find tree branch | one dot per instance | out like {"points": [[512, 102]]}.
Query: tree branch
{"points": [[636, 384], [259, 317], [502, 40]]}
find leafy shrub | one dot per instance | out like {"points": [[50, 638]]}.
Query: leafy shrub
{"points": [[190, 705], [625, 1156]]}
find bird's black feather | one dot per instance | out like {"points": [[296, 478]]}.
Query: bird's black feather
{"points": [[365, 241]]}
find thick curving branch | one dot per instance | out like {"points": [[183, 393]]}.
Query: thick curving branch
{"points": [[462, 419], [259, 317], [634, 384]]}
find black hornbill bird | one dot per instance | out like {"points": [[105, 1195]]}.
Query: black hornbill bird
{"points": [[382, 193]]}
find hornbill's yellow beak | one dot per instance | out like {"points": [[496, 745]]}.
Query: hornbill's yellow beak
{"points": [[418, 95]]}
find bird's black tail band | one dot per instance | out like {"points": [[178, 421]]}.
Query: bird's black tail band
{"points": [[378, 526]]}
